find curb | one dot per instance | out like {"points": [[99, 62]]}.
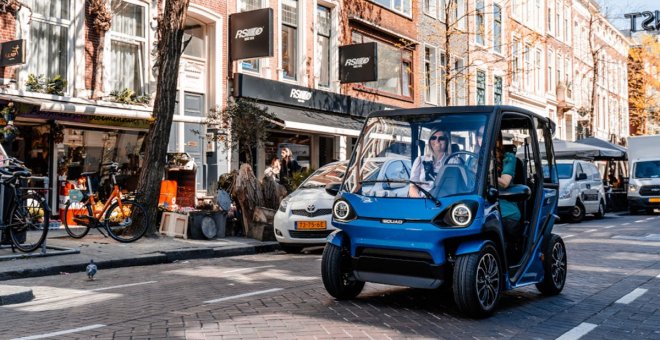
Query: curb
{"points": [[14, 294], [167, 256]]}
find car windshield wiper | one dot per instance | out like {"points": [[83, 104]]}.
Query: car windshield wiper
{"points": [[406, 181]]}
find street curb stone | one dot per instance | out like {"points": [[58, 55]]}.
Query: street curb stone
{"points": [[163, 257], [14, 294]]}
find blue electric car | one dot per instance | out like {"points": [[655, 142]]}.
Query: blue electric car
{"points": [[458, 225]]}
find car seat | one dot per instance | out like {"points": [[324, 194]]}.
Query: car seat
{"points": [[451, 179]]}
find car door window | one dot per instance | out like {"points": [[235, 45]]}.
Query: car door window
{"points": [[578, 171]]}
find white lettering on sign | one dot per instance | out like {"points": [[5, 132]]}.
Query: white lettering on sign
{"points": [[300, 95], [356, 62], [249, 33]]}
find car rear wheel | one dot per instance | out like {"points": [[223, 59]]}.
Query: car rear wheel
{"points": [[577, 213], [478, 282], [601, 210], [335, 271], [554, 266]]}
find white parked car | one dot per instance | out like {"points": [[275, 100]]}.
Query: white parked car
{"points": [[581, 190], [304, 218]]}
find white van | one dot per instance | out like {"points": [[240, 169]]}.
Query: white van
{"points": [[581, 190], [644, 165]]}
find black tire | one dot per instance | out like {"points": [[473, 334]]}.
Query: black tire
{"points": [[289, 249], [601, 210], [555, 265], [478, 282], [577, 213], [80, 231], [336, 276], [122, 226], [29, 223]]}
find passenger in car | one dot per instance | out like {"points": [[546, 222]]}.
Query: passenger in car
{"points": [[427, 166], [506, 168]]}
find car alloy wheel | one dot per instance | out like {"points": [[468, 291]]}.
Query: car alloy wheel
{"points": [[555, 265], [477, 282], [488, 280]]}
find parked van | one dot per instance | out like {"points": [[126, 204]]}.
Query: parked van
{"points": [[581, 190], [644, 165]]}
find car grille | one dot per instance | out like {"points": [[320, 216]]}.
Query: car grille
{"points": [[303, 212], [310, 233], [650, 190]]}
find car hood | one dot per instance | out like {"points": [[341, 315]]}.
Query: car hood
{"points": [[645, 181], [317, 196]]}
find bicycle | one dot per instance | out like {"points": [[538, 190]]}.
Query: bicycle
{"points": [[117, 216], [24, 213]]}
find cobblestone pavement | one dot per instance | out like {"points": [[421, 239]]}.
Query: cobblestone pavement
{"points": [[276, 295]]}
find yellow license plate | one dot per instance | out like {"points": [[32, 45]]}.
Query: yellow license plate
{"points": [[654, 200], [310, 225]]}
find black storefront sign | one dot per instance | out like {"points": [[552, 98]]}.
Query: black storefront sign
{"points": [[283, 94], [12, 53], [251, 34], [650, 21], [358, 63]]}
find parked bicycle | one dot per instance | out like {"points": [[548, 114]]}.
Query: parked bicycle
{"points": [[123, 219], [24, 213]]}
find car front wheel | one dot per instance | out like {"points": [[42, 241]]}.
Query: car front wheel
{"points": [[478, 282], [335, 271], [554, 266]]}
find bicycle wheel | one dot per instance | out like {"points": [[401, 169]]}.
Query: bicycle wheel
{"points": [[29, 222], [127, 224], [79, 231]]}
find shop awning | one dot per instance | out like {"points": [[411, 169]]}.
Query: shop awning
{"points": [[319, 122], [593, 141]]}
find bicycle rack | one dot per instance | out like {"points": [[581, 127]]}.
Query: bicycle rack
{"points": [[43, 252]]}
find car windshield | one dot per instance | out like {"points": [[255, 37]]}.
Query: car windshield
{"points": [[437, 154], [331, 173], [565, 170], [647, 169]]}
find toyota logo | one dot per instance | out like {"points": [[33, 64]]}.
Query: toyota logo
{"points": [[311, 208]]}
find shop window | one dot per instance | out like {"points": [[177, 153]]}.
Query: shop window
{"points": [[250, 5], [481, 87], [289, 38], [400, 6], [298, 144], [323, 31], [394, 67], [127, 43], [48, 40]]}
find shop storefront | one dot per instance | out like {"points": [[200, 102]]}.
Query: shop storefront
{"points": [[318, 126]]}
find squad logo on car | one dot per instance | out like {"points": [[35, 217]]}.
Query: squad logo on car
{"points": [[249, 33], [356, 62], [300, 95], [391, 221]]}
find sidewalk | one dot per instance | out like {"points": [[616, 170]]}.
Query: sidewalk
{"points": [[108, 253]]}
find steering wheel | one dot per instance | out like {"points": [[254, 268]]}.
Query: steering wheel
{"points": [[469, 155]]}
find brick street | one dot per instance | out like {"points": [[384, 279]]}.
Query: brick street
{"points": [[275, 295]]}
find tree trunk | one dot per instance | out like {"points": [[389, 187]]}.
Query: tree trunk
{"points": [[97, 66], [170, 41]]}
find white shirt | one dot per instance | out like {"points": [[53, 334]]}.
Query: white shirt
{"points": [[419, 175]]}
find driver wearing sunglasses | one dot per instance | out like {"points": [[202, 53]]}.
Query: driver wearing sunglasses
{"points": [[426, 167]]}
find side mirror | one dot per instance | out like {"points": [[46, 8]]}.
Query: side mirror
{"points": [[516, 193], [492, 194], [581, 176], [332, 188]]}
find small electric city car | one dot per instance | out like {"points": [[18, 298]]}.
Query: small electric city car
{"points": [[477, 218]]}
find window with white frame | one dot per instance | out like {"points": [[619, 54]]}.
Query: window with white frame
{"points": [[289, 39], [497, 90], [459, 13], [400, 6], [481, 87], [537, 71], [430, 7], [479, 22], [394, 67], [250, 5], [550, 18], [567, 72], [430, 83], [551, 72], [49, 37], [459, 84], [497, 28], [515, 62], [323, 32], [442, 10], [127, 45], [567, 26], [195, 36], [443, 78], [527, 72]]}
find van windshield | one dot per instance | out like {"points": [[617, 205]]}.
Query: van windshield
{"points": [[647, 169], [438, 155]]}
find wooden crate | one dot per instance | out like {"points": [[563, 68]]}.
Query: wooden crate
{"points": [[174, 225]]}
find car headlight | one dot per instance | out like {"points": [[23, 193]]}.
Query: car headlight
{"points": [[632, 188], [566, 192], [284, 203], [461, 215], [342, 210]]}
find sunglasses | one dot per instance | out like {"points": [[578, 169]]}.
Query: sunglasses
{"points": [[444, 138]]}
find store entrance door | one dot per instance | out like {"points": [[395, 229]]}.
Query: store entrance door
{"points": [[194, 135]]}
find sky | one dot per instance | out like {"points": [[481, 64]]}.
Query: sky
{"points": [[617, 8]]}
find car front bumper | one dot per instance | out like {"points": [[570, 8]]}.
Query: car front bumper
{"points": [[645, 202]]}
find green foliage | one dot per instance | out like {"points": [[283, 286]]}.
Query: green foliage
{"points": [[297, 179], [128, 96], [55, 85], [244, 122]]}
